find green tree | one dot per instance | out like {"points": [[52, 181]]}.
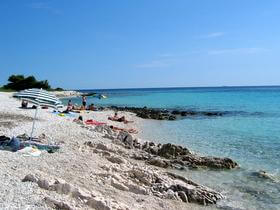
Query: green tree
{"points": [[19, 82]]}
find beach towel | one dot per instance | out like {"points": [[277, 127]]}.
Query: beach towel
{"points": [[93, 122], [70, 114], [47, 147], [30, 151]]}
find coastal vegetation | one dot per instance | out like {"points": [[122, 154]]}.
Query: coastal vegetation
{"points": [[20, 82]]}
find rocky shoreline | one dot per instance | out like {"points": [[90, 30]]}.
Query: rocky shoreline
{"points": [[164, 114], [166, 155], [163, 156], [67, 93], [98, 168]]}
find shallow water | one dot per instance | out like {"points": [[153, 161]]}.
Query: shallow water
{"points": [[250, 135]]}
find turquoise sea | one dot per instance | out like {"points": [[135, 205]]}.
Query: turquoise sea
{"points": [[250, 135]]}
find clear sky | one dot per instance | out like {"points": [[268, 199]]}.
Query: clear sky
{"points": [[141, 43]]}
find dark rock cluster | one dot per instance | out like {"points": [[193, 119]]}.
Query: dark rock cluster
{"points": [[170, 155], [163, 114]]}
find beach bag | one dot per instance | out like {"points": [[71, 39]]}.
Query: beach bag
{"points": [[14, 144]]}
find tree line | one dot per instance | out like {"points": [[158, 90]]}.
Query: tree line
{"points": [[19, 82]]}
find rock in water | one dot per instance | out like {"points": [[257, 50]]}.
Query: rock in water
{"points": [[211, 162], [172, 151], [264, 175]]}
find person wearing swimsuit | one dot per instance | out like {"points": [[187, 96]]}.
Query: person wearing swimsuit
{"points": [[84, 101]]}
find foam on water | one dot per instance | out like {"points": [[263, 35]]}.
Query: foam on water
{"points": [[250, 135]]}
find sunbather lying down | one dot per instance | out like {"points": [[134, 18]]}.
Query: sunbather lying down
{"points": [[79, 120], [131, 130], [119, 119]]}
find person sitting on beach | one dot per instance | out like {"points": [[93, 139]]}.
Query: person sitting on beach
{"points": [[115, 118], [79, 120], [77, 109], [70, 105], [24, 104], [91, 107], [119, 119], [130, 130]]}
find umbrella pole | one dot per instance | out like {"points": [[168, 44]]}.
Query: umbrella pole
{"points": [[31, 135]]}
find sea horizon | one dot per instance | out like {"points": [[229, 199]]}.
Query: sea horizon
{"points": [[179, 87]]}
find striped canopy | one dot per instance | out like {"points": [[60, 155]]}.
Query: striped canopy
{"points": [[39, 97]]}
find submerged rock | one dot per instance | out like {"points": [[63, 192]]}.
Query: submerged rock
{"points": [[264, 175], [211, 162]]}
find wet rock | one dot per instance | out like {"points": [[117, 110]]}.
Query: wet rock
{"points": [[175, 112], [211, 162], [172, 151], [152, 150], [197, 194], [210, 114], [264, 175], [176, 176], [172, 117], [163, 114], [179, 157], [184, 114], [183, 196]]}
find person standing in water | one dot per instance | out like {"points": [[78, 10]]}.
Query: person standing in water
{"points": [[84, 101]]}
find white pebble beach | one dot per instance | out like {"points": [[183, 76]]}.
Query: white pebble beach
{"points": [[98, 181]]}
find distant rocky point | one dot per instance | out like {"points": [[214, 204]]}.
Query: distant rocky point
{"points": [[67, 93]]}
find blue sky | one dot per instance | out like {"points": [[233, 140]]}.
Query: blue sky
{"points": [[141, 43]]}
